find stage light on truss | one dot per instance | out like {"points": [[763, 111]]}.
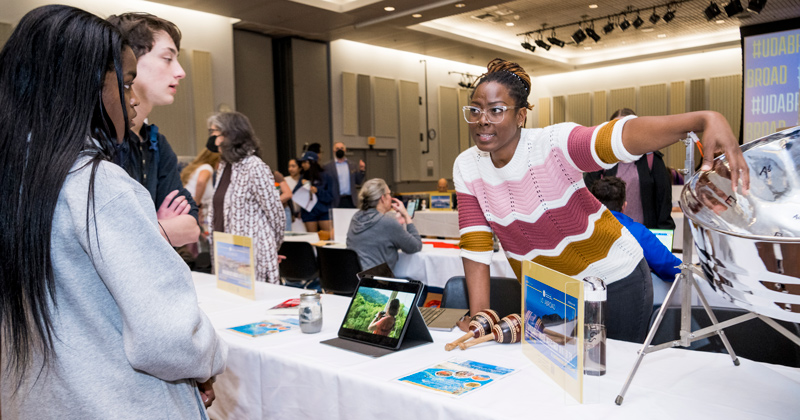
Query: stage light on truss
{"points": [[756, 6], [669, 16], [712, 11], [733, 8], [638, 22], [528, 46], [608, 28], [592, 34], [555, 41], [654, 18], [579, 36], [543, 44], [624, 25]]}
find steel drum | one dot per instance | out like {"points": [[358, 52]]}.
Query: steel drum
{"points": [[749, 245]]}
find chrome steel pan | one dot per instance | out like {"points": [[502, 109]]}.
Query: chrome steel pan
{"points": [[749, 245]]}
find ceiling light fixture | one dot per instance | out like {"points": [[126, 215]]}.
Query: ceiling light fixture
{"points": [[638, 22], [593, 6], [669, 16], [733, 8], [654, 18], [416, 15], [527, 45], [712, 11], [555, 41], [592, 34], [509, 23], [624, 25], [460, 5], [755, 6], [579, 36], [389, 8], [608, 27], [540, 42]]}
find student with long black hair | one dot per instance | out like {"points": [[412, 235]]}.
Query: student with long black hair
{"points": [[87, 331]]}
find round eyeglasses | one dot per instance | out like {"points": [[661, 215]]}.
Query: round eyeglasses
{"points": [[494, 115]]}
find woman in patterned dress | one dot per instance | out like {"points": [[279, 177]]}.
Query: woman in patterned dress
{"points": [[245, 202]]}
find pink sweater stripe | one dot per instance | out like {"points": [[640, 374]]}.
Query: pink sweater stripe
{"points": [[551, 228], [578, 146], [515, 196], [469, 211]]}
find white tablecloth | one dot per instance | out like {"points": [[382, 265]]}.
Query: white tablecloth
{"points": [[435, 266], [292, 376]]}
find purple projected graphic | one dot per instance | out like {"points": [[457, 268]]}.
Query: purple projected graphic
{"points": [[772, 83]]}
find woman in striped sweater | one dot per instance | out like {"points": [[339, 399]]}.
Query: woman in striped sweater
{"points": [[526, 186]]}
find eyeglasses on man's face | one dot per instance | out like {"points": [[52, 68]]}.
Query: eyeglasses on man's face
{"points": [[494, 115]]}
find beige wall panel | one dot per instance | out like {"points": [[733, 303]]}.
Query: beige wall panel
{"points": [[364, 83], [185, 130], [385, 107], [652, 100], [449, 114], [544, 112], [559, 109], [310, 98], [255, 89], [349, 104], [599, 108], [725, 97], [410, 146], [675, 154], [464, 140], [621, 98], [203, 95], [697, 95], [579, 109]]}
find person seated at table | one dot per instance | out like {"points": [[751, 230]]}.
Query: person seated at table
{"points": [[245, 202], [610, 191], [375, 235], [441, 186], [526, 186], [383, 323], [649, 194], [88, 330]]}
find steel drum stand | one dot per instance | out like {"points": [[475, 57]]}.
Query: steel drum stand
{"points": [[687, 279]]}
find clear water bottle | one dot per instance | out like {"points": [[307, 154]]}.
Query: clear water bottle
{"points": [[594, 326], [310, 313]]}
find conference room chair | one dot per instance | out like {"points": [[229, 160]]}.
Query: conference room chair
{"points": [[337, 270], [300, 268], [753, 339], [505, 295]]}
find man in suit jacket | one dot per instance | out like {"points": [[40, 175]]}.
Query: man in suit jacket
{"points": [[347, 178]]}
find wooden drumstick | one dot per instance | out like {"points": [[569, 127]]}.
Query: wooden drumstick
{"points": [[480, 325], [508, 330]]}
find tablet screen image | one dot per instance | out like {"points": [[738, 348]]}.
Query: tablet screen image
{"points": [[379, 310]]}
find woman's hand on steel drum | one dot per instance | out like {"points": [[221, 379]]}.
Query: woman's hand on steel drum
{"points": [[718, 137]]}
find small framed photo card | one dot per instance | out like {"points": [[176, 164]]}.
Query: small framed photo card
{"points": [[441, 202]]}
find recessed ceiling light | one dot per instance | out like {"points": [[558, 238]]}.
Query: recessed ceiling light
{"points": [[509, 23], [648, 30], [416, 15], [389, 8], [460, 5], [662, 35], [720, 21], [593, 6], [587, 48]]}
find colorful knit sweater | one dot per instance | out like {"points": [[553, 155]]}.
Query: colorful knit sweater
{"points": [[539, 207]]}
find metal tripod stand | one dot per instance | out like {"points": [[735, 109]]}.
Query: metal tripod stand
{"points": [[687, 279]]}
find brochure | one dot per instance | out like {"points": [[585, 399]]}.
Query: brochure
{"points": [[233, 260], [288, 307], [304, 198], [456, 377], [262, 328]]}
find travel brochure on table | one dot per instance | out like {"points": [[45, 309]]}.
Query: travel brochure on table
{"points": [[267, 327], [456, 377]]}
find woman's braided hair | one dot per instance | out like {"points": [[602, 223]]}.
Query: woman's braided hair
{"points": [[512, 76]]}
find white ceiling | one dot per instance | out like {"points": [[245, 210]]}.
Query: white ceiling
{"points": [[478, 31]]}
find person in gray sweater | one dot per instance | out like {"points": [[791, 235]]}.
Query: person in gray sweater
{"points": [[99, 315], [375, 235]]}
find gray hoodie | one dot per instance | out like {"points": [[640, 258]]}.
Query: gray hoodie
{"points": [[376, 238]]}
